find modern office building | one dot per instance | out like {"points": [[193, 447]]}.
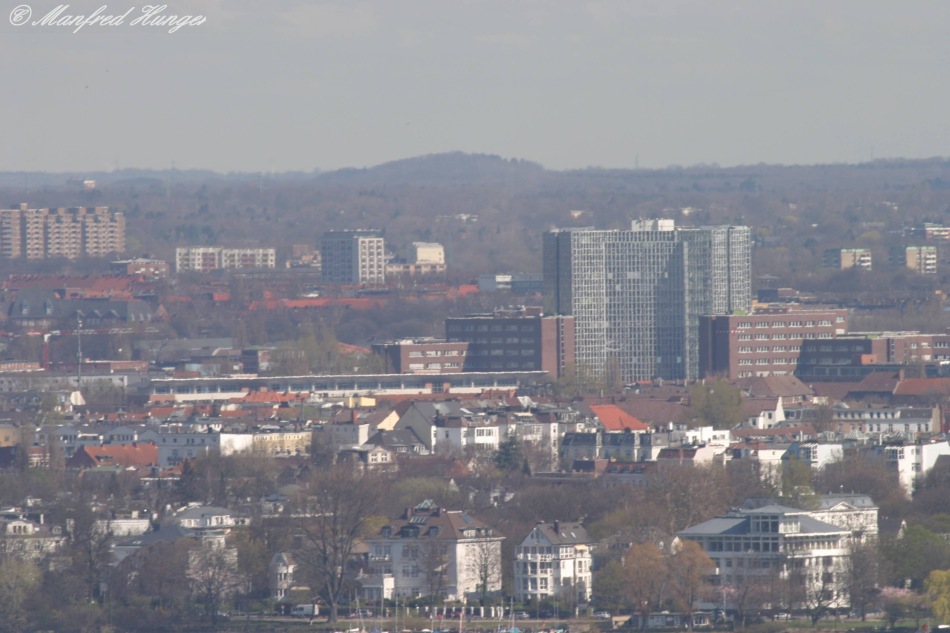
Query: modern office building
{"points": [[636, 295], [515, 338], [72, 233], [353, 257]]}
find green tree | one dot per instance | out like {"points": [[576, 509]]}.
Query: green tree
{"points": [[910, 558], [938, 592], [797, 488], [509, 456], [718, 404]]}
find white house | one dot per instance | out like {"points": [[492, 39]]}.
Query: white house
{"points": [[913, 461], [432, 551], [554, 561], [754, 545]]}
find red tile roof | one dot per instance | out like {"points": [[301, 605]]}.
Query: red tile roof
{"points": [[616, 419], [124, 455], [923, 387]]}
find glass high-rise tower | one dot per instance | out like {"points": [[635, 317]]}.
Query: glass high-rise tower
{"points": [[637, 295]]}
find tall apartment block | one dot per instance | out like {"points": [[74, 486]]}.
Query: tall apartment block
{"points": [[920, 259], [767, 342], [514, 339], [636, 295], [65, 232], [845, 258], [353, 257], [208, 258]]}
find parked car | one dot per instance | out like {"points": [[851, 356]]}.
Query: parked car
{"points": [[602, 615], [521, 615]]}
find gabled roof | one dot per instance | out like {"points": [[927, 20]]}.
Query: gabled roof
{"points": [[880, 382], [124, 455], [563, 533], [655, 412], [616, 419], [775, 387], [923, 387]]}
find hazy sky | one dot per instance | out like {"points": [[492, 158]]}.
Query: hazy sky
{"points": [[299, 85]]}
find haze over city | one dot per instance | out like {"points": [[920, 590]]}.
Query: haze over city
{"points": [[324, 85]]}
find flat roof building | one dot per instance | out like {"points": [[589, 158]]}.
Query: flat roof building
{"points": [[636, 295]]}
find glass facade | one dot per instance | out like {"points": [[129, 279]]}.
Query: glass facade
{"points": [[637, 295]]}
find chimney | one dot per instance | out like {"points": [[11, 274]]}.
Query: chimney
{"points": [[556, 526]]}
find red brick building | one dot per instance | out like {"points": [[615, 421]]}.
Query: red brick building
{"points": [[767, 342], [422, 356]]}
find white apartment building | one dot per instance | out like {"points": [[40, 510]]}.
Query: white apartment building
{"points": [[353, 257], [554, 562], [428, 253], [754, 545], [207, 258], [912, 462], [430, 551]]}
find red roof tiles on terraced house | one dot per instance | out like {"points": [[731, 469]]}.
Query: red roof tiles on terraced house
{"points": [[124, 456], [616, 419]]}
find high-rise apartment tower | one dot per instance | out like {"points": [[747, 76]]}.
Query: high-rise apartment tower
{"points": [[637, 295]]}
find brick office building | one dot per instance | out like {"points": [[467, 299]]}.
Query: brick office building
{"points": [[767, 342]]}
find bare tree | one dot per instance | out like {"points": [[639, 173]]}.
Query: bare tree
{"points": [[18, 580], [647, 576], [89, 547], [337, 509], [434, 561], [484, 564], [213, 575], [689, 568]]}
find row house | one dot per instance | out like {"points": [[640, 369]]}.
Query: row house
{"points": [[906, 422]]}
